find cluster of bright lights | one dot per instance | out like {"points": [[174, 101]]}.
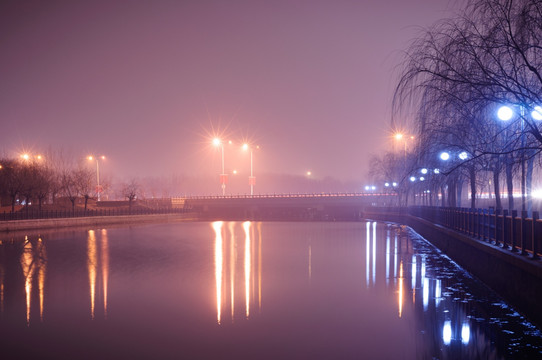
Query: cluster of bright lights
{"points": [[445, 156], [506, 113], [91, 157], [394, 184], [370, 188], [27, 157]]}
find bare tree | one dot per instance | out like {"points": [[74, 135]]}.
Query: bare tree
{"points": [[69, 187], [11, 180], [130, 190], [459, 71], [84, 185]]}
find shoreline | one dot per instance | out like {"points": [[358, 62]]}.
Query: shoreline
{"points": [[11, 226]]}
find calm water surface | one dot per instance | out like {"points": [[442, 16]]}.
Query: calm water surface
{"points": [[234, 290]]}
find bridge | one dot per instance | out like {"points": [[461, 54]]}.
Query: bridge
{"points": [[324, 206]]}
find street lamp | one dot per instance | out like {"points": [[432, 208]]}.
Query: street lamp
{"points": [[251, 178], [505, 113], [223, 176], [98, 187], [445, 156]]}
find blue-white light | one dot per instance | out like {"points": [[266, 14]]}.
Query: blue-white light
{"points": [[505, 113], [412, 178], [465, 333], [463, 155], [387, 184], [423, 171], [447, 332], [436, 171], [537, 113], [444, 156]]}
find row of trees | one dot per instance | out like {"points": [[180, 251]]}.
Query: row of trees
{"points": [[24, 181], [453, 81]]}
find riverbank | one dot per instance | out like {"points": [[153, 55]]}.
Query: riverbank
{"points": [[91, 221], [515, 277]]}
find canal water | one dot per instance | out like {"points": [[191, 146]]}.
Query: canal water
{"points": [[248, 290]]}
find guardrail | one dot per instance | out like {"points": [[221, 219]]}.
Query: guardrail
{"points": [[520, 234], [270, 196], [30, 214]]}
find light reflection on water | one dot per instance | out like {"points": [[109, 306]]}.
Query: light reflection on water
{"points": [[290, 290]]}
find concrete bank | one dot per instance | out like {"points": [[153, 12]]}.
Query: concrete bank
{"points": [[517, 278], [91, 221]]}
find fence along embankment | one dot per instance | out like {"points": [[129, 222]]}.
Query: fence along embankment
{"points": [[504, 264]]}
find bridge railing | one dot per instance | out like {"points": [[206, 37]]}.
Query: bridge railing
{"points": [[509, 230], [285, 195]]}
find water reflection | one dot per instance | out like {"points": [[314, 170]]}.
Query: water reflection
{"points": [[33, 261], [225, 256], [98, 262], [339, 285]]}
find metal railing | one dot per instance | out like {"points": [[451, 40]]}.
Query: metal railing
{"points": [[286, 195], [520, 234]]}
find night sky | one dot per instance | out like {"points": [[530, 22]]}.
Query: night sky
{"points": [[149, 83]]}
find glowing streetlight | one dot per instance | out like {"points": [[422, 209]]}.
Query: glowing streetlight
{"points": [[505, 113], [98, 186], [223, 177], [445, 156], [251, 178], [537, 113]]}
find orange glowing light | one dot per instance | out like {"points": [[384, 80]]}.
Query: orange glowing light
{"points": [[217, 142], [398, 136], [248, 263], [90, 158], [92, 259], [217, 227]]}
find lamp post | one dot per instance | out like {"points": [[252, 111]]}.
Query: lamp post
{"points": [[223, 176], [251, 178], [505, 113], [98, 187]]}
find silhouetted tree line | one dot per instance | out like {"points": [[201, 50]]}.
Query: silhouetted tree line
{"points": [[30, 181], [453, 81]]}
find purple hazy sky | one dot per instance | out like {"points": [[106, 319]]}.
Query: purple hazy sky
{"points": [[148, 82]]}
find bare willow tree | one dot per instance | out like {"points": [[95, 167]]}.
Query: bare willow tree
{"points": [[463, 67]]}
